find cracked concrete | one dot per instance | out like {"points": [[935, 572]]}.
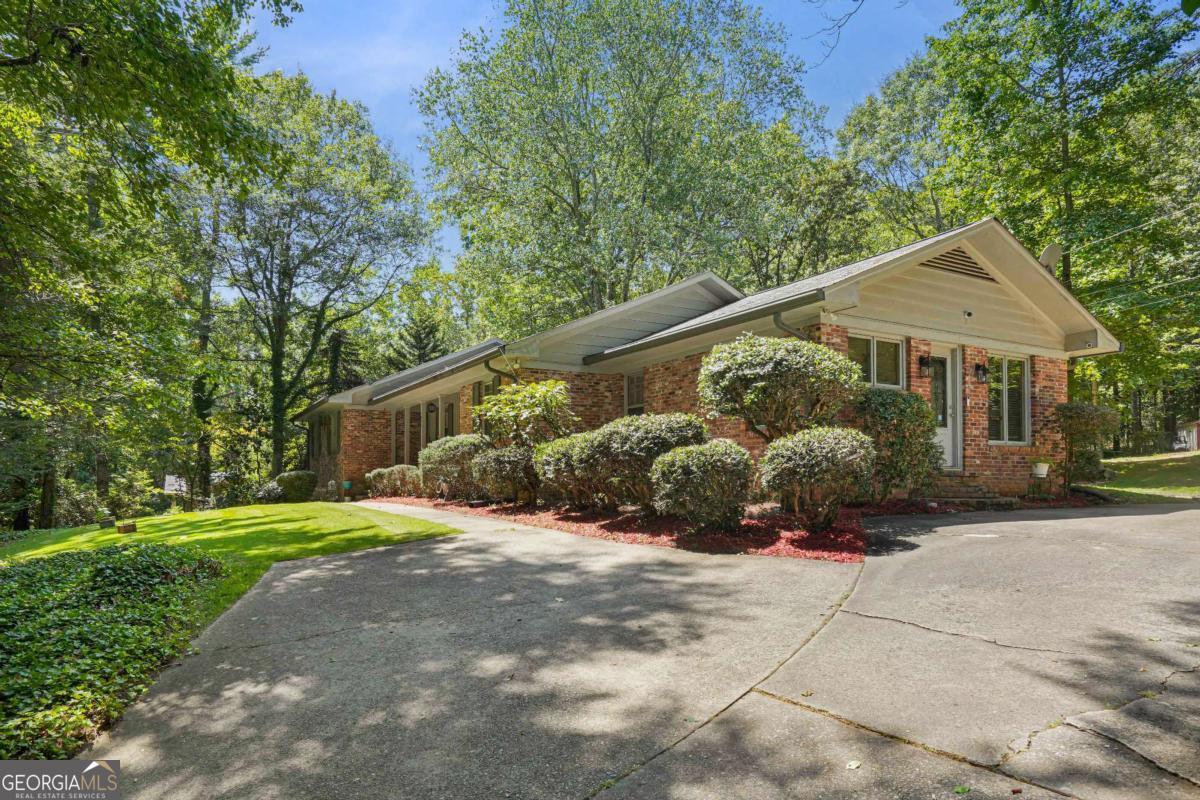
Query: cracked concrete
{"points": [[1050, 653]]}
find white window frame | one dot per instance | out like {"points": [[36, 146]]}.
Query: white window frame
{"points": [[873, 339], [1026, 405]]}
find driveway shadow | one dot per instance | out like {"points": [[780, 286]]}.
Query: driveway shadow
{"points": [[510, 665]]}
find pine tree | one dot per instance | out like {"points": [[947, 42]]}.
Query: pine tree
{"points": [[421, 339]]}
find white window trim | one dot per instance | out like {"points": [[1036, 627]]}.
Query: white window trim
{"points": [[1026, 406], [872, 382]]}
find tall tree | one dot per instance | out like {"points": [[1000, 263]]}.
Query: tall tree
{"points": [[585, 151], [321, 241], [893, 137], [1048, 110]]}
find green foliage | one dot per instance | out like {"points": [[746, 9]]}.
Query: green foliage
{"points": [[619, 457], [1085, 426], [82, 634], [75, 504], [527, 413], [593, 151], [446, 465], [297, 485], [269, 492], [562, 470], [903, 428], [704, 483], [401, 480], [778, 386], [817, 470], [506, 473], [133, 494]]}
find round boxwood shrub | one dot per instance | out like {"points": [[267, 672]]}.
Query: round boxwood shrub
{"points": [[506, 473], [818, 470], [778, 386], [902, 426], [619, 457], [446, 465], [297, 485], [561, 477], [1085, 426], [401, 480], [704, 483]]}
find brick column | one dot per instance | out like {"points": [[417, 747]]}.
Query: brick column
{"points": [[835, 337], [914, 350], [975, 414], [465, 420], [414, 434]]}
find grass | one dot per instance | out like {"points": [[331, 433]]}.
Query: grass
{"points": [[1165, 477], [248, 539]]}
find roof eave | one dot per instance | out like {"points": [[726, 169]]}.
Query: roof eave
{"points": [[807, 298], [437, 376]]}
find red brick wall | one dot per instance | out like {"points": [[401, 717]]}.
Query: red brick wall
{"points": [[366, 444], [1005, 469], [671, 386], [914, 350], [595, 398], [834, 337], [398, 438], [465, 395]]}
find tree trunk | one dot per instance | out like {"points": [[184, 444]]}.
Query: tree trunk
{"points": [[203, 390], [21, 515], [278, 405], [48, 489]]}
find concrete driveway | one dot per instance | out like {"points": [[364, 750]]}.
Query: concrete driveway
{"points": [[1046, 653]]}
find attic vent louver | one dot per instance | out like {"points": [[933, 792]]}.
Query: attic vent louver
{"points": [[959, 262]]}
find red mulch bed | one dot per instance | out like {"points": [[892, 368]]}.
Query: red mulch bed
{"points": [[779, 535]]}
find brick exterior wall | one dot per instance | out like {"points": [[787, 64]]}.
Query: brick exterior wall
{"points": [[398, 439], [1005, 469], [914, 349], [366, 444], [671, 386], [834, 337], [595, 398]]}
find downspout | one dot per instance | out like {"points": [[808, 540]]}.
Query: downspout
{"points": [[777, 318], [510, 375]]}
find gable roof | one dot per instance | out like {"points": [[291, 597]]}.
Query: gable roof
{"points": [[812, 290]]}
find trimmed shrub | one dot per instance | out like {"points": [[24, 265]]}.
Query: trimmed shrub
{"points": [[618, 458], [560, 474], [297, 485], [778, 386], [1085, 426], [269, 492], [818, 470], [527, 413], [704, 483], [903, 428], [401, 480], [506, 473], [84, 633], [446, 465]]}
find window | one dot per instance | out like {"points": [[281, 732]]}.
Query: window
{"points": [[881, 360], [635, 395], [1008, 395]]}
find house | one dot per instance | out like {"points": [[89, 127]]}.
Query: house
{"points": [[969, 319], [1188, 436]]}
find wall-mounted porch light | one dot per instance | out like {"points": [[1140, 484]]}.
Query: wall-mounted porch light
{"points": [[431, 408], [924, 366], [981, 373]]}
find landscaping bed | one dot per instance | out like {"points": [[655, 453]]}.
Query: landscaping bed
{"points": [[83, 634], [764, 534]]}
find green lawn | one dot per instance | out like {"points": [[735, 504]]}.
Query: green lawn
{"points": [[249, 539], [1165, 477]]}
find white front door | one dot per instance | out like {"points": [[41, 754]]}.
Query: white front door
{"points": [[944, 393]]}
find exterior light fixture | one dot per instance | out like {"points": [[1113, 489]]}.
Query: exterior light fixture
{"points": [[431, 408], [981, 373], [923, 366]]}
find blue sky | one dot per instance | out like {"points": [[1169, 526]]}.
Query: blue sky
{"points": [[376, 51]]}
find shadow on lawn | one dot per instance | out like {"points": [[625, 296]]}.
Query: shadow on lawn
{"points": [[510, 667]]}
